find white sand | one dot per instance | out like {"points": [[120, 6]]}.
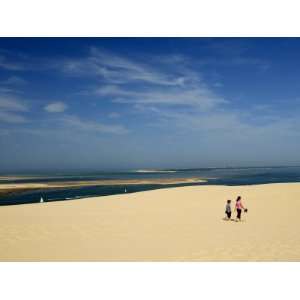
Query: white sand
{"points": [[177, 224]]}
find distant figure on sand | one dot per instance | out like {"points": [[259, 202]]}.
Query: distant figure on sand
{"points": [[228, 209], [238, 207]]}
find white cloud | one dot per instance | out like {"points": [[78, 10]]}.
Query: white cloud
{"points": [[11, 117], [12, 104], [56, 107], [174, 84], [13, 80], [235, 62], [157, 85], [114, 115], [113, 90], [174, 91], [118, 70], [5, 90], [200, 97], [76, 123], [12, 109], [9, 65]]}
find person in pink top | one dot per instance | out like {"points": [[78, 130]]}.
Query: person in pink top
{"points": [[238, 207]]}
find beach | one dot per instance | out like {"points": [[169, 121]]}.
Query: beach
{"points": [[172, 224]]}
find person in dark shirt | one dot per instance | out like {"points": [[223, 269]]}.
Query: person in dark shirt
{"points": [[228, 209]]}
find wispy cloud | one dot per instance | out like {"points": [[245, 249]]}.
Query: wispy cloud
{"points": [[114, 115], [13, 81], [171, 87], [12, 104], [10, 65], [200, 97], [157, 84], [6, 90], [174, 84], [56, 107], [12, 109], [232, 62], [116, 69], [186, 102], [77, 123], [159, 105], [12, 117]]}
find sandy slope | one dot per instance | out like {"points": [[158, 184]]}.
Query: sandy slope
{"points": [[177, 224]]}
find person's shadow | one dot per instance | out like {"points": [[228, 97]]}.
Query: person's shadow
{"points": [[226, 219]]}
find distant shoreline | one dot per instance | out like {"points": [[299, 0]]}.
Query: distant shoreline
{"points": [[155, 171], [14, 188]]}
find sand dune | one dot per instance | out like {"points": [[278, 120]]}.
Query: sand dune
{"points": [[177, 224]]}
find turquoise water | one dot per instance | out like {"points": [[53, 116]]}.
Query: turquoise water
{"points": [[215, 176]]}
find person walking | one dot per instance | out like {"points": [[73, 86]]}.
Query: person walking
{"points": [[238, 208], [228, 209]]}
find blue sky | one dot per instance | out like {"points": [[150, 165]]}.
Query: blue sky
{"points": [[126, 103]]}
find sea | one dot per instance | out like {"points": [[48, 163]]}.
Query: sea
{"points": [[213, 176]]}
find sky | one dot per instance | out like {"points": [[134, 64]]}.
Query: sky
{"points": [[130, 103]]}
